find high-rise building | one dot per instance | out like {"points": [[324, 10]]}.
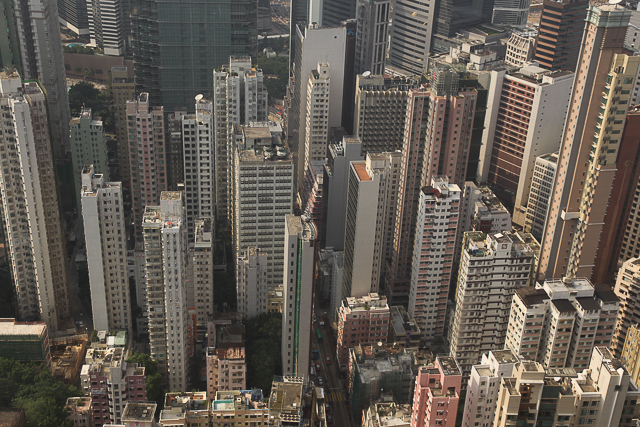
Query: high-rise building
{"points": [[371, 205], [297, 304], [335, 187], [200, 290], [411, 36], [251, 283], [109, 26], [310, 44], [106, 242], [199, 161], [630, 355], [381, 111], [41, 55], [560, 33], [484, 385], [361, 320], [510, 12], [88, 147], [559, 322], [525, 116], [485, 291], [372, 36], [147, 162], [544, 172], [627, 287], [33, 226], [175, 65], [437, 393], [122, 90], [239, 98], [451, 16], [435, 240], [174, 148], [263, 195], [588, 157], [73, 15], [225, 359], [165, 246], [9, 40], [312, 191], [317, 115], [335, 11]]}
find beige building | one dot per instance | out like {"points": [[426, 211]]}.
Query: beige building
{"points": [[631, 352], [229, 407], [122, 90], [317, 115], [225, 356], [186, 409], [80, 411], [627, 287]]}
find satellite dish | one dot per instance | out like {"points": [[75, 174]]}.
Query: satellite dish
{"points": [[368, 73], [200, 96]]}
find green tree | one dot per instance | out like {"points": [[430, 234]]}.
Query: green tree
{"points": [[276, 72], [100, 101], [155, 390], [262, 342]]}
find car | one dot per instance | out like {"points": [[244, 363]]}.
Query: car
{"points": [[314, 318], [320, 381], [327, 408], [328, 360], [329, 418], [317, 367], [315, 354]]}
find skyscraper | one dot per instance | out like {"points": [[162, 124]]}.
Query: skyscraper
{"points": [[122, 90], [411, 35], [626, 288], [109, 25], [336, 11], [588, 158], [9, 40], [297, 306], [73, 15], [544, 172], [372, 36], [174, 65], [31, 216], [103, 215], [317, 115], [510, 12]]}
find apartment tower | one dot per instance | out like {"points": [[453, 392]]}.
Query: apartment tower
{"points": [[372, 35], [588, 157], [109, 26], [297, 284], [103, 215], [122, 90], [544, 172], [251, 274], [626, 289], [317, 115], [436, 395], [200, 290], [33, 226]]}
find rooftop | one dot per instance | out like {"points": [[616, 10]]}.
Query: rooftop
{"points": [[11, 327], [449, 365], [279, 153], [367, 302], [605, 294], [563, 306], [532, 296], [286, 397], [361, 170], [505, 356], [139, 412]]}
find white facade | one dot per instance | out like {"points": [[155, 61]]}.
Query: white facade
{"points": [[198, 155], [106, 243], [372, 36], [240, 97], [109, 25], [484, 386], [251, 282], [411, 35], [317, 116], [33, 229], [297, 305], [436, 227], [520, 49], [544, 172]]}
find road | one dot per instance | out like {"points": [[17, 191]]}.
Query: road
{"points": [[333, 383]]}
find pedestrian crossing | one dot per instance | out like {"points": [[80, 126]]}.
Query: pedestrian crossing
{"points": [[335, 396]]}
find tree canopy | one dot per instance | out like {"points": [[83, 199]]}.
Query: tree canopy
{"points": [[100, 102], [30, 386], [276, 72], [263, 335]]}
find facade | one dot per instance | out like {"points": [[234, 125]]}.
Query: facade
{"points": [[631, 351], [165, 245], [520, 49], [627, 286], [560, 33], [437, 393], [235, 90], [147, 160], [251, 282], [297, 284], [185, 409], [103, 215], [559, 322], [312, 191], [73, 15], [486, 289], [510, 12], [317, 114], [175, 148], [111, 382], [175, 66], [360, 321], [544, 172], [200, 293], [199, 161], [371, 204], [372, 34], [433, 254], [9, 40], [484, 385], [33, 225], [122, 90], [109, 26], [525, 119], [413, 25], [308, 45], [88, 147], [36, 27], [237, 406], [25, 341], [259, 221], [335, 190], [588, 154], [80, 411], [226, 367], [381, 111]]}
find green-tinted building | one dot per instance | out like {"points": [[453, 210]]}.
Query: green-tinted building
{"points": [[178, 43], [24, 341], [9, 42]]}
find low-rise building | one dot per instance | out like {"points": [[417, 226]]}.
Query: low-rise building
{"points": [[229, 407], [387, 414], [138, 415], [403, 329], [286, 401], [186, 409], [437, 393], [24, 341], [80, 411], [225, 356]]}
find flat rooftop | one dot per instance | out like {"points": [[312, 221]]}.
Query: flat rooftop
{"points": [[139, 412], [505, 356], [11, 327], [257, 132], [449, 365], [532, 296], [361, 170]]}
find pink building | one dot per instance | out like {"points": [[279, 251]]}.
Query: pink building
{"points": [[437, 393], [147, 159], [361, 320], [226, 368]]}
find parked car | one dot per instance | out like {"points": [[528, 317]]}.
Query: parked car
{"points": [[315, 354], [328, 360], [317, 367]]}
